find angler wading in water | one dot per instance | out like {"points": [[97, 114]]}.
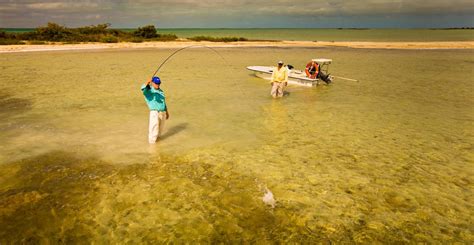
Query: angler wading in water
{"points": [[155, 99], [279, 80]]}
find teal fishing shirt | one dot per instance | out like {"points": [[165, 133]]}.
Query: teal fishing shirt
{"points": [[155, 98]]}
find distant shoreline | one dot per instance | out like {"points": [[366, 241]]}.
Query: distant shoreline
{"points": [[12, 29], [183, 43], [104, 33]]}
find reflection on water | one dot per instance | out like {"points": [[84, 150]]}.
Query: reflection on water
{"points": [[387, 160]]}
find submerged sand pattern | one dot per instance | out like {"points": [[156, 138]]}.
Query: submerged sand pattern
{"points": [[384, 160]]}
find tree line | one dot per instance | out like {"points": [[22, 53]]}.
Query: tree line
{"points": [[53, 32]]}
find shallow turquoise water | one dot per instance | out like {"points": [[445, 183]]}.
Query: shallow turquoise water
{"points": [[388, 159], [374, 35]]}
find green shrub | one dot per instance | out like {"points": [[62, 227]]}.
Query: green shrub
{"points": [[201, 38], [136, 40], [119, 33], [231, 39], [37, 42], [146, 32], [98, 29], [218, 39], [26, 36], [167, 37], [7, 35], [53, 32], [4, 41], [109, 39]]}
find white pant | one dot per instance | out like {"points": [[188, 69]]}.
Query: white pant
{"points": [[277, 89], [157, 123]]}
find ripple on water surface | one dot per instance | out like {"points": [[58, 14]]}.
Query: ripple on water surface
{"points": [[386, 160]]}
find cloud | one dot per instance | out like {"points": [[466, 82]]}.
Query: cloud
{"points": [[60, 6], [224, 12], [327, 7]]}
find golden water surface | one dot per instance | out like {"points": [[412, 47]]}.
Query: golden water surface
{"points": [[388, 159]]}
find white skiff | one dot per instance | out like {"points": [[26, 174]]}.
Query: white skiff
{"points": [[295, 77]]}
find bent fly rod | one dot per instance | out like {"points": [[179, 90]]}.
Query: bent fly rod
{"points": [[177, 51], [194, 46]]}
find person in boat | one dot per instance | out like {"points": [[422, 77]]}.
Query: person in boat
{"points": [[155, 99], [279, 80], [313, 71]]}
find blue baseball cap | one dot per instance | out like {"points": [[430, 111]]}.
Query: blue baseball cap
{"points": [[156, 80]]}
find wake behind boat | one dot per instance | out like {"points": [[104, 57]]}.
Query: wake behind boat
{"points": [[295, 77]]}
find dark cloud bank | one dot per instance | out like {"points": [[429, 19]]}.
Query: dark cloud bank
{"points": [[240, 13]]}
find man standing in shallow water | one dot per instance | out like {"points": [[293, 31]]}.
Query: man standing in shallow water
{"points": [[155, 99], [279, 80]]}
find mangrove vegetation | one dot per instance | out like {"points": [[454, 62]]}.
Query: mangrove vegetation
{"points": [[55, 33]]}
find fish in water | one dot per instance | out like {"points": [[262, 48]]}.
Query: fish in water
{"points": [[268, 198]]}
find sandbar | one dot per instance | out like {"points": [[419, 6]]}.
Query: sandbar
{"points": [[184, 43]]}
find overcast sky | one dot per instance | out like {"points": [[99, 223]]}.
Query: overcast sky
{"points": [[239, 13]]}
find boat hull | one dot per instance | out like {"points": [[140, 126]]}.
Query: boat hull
{"points": [[295, 77]]}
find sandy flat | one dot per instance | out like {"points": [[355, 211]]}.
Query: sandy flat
{"points": [[179, 44]]}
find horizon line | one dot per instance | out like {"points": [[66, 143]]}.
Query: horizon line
{"points": [[158, 28]]}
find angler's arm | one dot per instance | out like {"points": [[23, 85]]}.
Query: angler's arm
{"points": [[146, 87]]}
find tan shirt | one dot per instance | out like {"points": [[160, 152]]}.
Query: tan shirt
{"points": [[280, 75]]}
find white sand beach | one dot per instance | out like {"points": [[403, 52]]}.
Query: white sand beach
{"points": [[183, 43]]}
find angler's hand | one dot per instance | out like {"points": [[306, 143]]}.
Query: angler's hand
{"points": [[286, 84], [167, 115], [148, 83]]}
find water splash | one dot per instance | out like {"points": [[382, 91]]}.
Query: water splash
{"points": [[268, 198]]}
